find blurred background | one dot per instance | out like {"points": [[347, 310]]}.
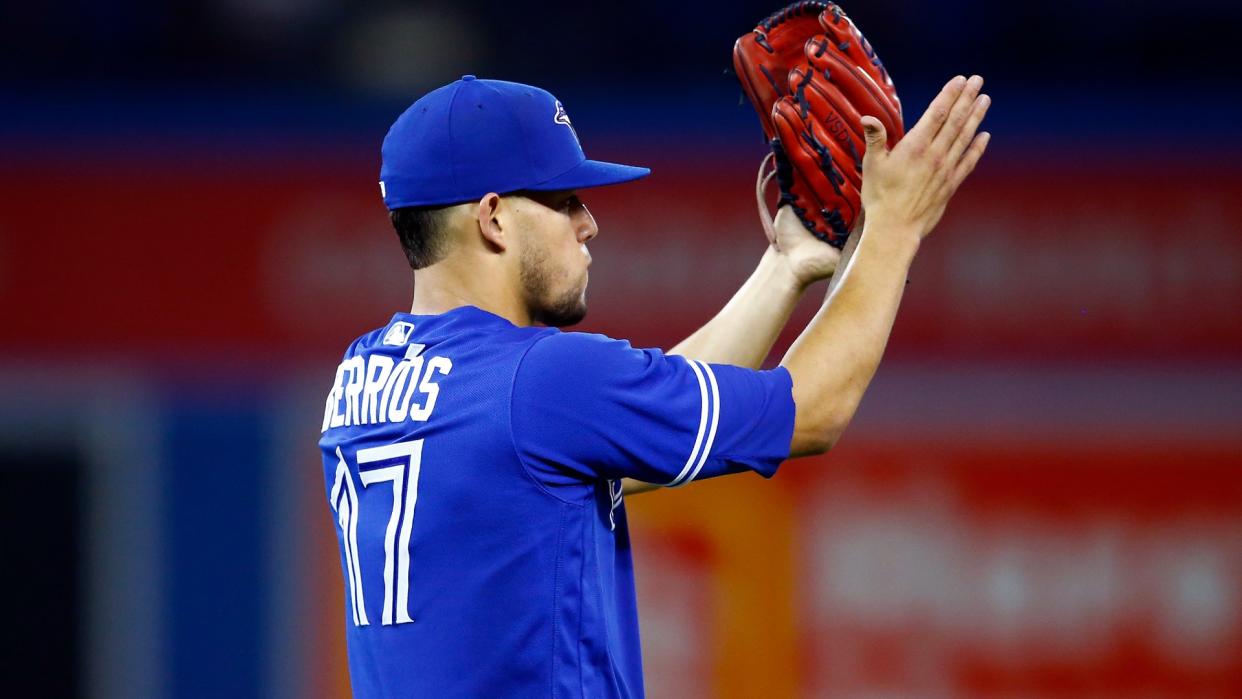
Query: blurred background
{"points": [[1041, 496]]}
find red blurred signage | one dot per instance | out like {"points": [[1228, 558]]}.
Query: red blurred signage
{"points": [[1009, 571], [967, 569], [1109, 259]]}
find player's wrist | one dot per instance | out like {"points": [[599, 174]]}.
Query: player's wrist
{"points": [[899, 239], [784, 274]]}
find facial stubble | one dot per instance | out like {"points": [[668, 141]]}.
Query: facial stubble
{"points": [[552, 307]]}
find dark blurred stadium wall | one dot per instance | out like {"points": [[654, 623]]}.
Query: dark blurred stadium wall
{"points": [[1041, 497]]}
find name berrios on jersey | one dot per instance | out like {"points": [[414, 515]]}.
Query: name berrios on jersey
{"points": [[375, 389]]}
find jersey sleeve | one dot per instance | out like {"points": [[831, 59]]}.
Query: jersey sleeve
{"points": [[586, 407]]}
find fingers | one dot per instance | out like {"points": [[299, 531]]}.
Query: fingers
{"points": [[965, 136], [958, 114], [876, 136], [971, 158], [937, 112], [955, 124]]}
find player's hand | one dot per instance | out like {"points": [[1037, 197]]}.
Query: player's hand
{"points": [[808, 259], [908, 187]]}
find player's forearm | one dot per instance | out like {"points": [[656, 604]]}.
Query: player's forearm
{"points": [[743, 332], [833, 360]]}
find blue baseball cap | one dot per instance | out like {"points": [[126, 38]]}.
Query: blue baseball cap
{"points": [[472, 136]]}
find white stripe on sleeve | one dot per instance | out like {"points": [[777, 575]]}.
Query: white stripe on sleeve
{"points": [[711, 434], [703, 416], [709, 418]]}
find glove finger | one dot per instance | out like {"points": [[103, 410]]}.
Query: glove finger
{"points": [[820, 166], [762, 88], [856, 86], [823, 102], [762, 57], [790, 174], [812, 179], [847, 162], [848, 39]]}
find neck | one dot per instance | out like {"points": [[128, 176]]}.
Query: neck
{"points": [[446, 285]]}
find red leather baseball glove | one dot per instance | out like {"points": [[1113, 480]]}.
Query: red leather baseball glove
{"points": [[812, 76]]}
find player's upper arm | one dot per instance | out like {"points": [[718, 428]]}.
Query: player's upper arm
{"points": [[586, 407]]}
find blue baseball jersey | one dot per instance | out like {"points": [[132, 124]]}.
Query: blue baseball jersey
{"points": [[473, 471]]}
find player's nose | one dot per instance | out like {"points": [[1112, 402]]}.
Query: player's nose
{"points": [[587, 228]]}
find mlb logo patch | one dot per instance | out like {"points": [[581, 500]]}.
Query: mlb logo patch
{"points": [[399, 333]]}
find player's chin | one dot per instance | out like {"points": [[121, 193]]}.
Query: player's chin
{"points": [[570, 310], [568, 317]]}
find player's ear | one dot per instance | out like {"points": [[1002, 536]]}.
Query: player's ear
{"points": [[489, 215]]}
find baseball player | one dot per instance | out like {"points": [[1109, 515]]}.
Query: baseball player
{"points": [[474, 453]]}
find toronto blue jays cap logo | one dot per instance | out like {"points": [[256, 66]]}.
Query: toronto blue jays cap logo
{"points": [[562, 117]]}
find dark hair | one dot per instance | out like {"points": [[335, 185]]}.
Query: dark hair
{"points": [[421, 232]]}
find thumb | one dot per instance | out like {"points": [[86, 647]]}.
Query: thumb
{"points": [[877, 138]]}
